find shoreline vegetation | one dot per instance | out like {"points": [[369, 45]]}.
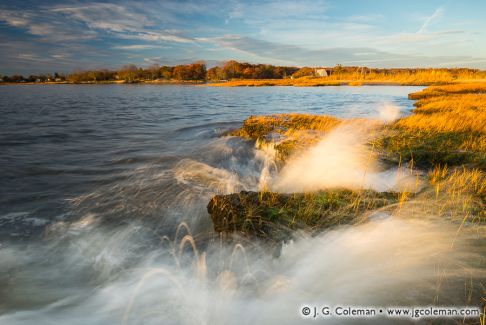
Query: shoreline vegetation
{"points": [[442, 143], [237, 74]]}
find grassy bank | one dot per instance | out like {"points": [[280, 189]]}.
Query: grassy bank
{"points": [[442, 142], [399, 79], [447, 127], [444, 138]]}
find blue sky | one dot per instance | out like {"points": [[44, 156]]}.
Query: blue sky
{"points": [[47, 36]]}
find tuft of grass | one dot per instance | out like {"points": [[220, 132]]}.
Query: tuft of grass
{"points": [[291, 132], [461, 193], [286, 132], [457, 181], [259, 127]]}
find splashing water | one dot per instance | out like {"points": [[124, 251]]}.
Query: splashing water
{"points": [[389, 112], [342, 159], [387, 261]]}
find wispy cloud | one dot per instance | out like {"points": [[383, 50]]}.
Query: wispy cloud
{"points": [[277, 10], [116, 19], [42, 24], [104, 16], [136, 47], [437, 13], [77, 22], [291, 54]]}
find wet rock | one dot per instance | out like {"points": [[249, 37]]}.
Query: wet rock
{"points": [[275, 216]]}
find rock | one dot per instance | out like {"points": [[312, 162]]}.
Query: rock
{"points": [[275, 216]]}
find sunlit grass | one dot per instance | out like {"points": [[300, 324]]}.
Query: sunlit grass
{"points": [[448, 126], [369, 77], [460, 88], [458, 181], [259, 126]]}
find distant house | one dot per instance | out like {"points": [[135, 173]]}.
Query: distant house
{"points": [[322, 72]]}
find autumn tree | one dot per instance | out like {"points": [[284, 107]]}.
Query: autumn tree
{"points": [[194, 71], [232, 70], [215, 73], [128, 73], [166, 72], [304, 72]]}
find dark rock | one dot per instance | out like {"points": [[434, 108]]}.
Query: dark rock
{"points": [[275, 216]]}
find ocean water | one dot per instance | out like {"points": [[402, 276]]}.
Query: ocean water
{"points": [[96, 180], [133, 148]]}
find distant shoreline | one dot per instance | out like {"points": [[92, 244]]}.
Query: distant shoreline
{"points": [[110, 82], [299, 82], [325, 81]]}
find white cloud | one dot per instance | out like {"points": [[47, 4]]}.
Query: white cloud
{"points": [[154, 60], [136, 47], [27, 56], [159, 36]]}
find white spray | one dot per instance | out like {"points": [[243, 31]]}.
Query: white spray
{"points": [[343, 158]]}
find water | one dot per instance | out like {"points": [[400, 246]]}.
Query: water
{"points": [[62, 142], [95, 180]]}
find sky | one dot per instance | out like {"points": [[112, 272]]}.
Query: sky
{"points": [[47, 36]]}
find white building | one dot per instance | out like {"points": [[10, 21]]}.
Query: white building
{"points": [[321, 72]]}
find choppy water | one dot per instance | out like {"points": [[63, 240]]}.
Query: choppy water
{"points": [[138, 146], [94, 177]]}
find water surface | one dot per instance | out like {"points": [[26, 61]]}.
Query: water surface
{"points": [[59, 142], [95, 176]]}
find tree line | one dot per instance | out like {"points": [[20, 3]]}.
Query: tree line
{"points": [[229, 70], [196, 71]]}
